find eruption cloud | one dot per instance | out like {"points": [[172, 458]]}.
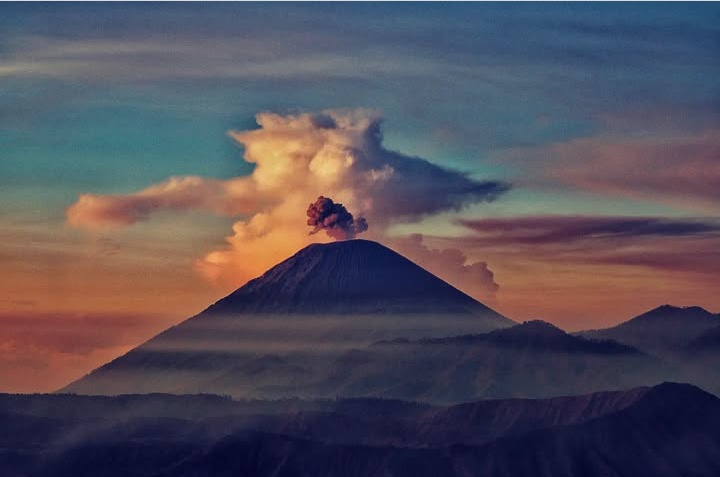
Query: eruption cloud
{"points": [[337, 152], [334, 218]]}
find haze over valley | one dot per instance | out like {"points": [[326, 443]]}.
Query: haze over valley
{"points": [[367, 239]]}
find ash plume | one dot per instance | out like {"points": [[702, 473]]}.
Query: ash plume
{"points": [[334, 218]]}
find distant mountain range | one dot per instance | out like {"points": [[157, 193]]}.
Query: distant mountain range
{"points": [[664, 430], [354, 318], [353, 361], [533, 359]]}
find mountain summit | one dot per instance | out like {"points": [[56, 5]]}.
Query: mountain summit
{"points": [[348, 277]]}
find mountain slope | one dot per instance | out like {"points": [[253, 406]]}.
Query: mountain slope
{"points": [[536, 334], [670, 431], [533, 359], [324, 299], [348, 277], [708, 340], [662, 330]]}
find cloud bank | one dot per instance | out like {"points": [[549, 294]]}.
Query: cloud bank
{"points": [[451, 264], [567, 229], [677, 169], [334, 153], [668, 244], [51, 349]]}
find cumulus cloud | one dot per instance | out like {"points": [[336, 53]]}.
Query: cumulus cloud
{"points": [[297, 157], [324, 214], [450, 264]]}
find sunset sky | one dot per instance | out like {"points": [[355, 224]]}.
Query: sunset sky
{"points": [[556, 161]]}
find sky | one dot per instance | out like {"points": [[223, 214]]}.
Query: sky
{"points": [[558, 161]]}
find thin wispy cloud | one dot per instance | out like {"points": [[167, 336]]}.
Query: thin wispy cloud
{"points": [[673, 169]]}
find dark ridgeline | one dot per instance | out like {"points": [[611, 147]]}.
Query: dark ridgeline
{"points": [[686, 337], [533, 334], [665, 430]]}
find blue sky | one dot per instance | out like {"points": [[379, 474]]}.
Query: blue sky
{"points": [[114, 97], [586, 115]]}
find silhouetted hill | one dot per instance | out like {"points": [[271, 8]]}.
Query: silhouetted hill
{"points": [[533, 334], [688, 337], [665, 430], [662, 330], [700, 360], [530, 360], [657, 436], [534, 359], [325, 299], [652, 437]]}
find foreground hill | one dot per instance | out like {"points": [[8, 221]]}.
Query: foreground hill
{"points": [[665, 430], [325, 298]]}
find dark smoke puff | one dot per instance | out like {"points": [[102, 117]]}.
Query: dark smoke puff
{"points": [[334, 218], [361, 225]]}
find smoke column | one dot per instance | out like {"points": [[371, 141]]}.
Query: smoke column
{"points": [[334, 218]]}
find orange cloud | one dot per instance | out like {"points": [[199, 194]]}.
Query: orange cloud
{"points": [[452, 265], [44, 351], [231, 197], [298, 157]]}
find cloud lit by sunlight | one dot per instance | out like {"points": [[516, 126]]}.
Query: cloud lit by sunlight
{"points": [[297, 157]]}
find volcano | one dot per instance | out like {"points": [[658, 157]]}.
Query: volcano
{"points": [[350, 277], [324, 299]]}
